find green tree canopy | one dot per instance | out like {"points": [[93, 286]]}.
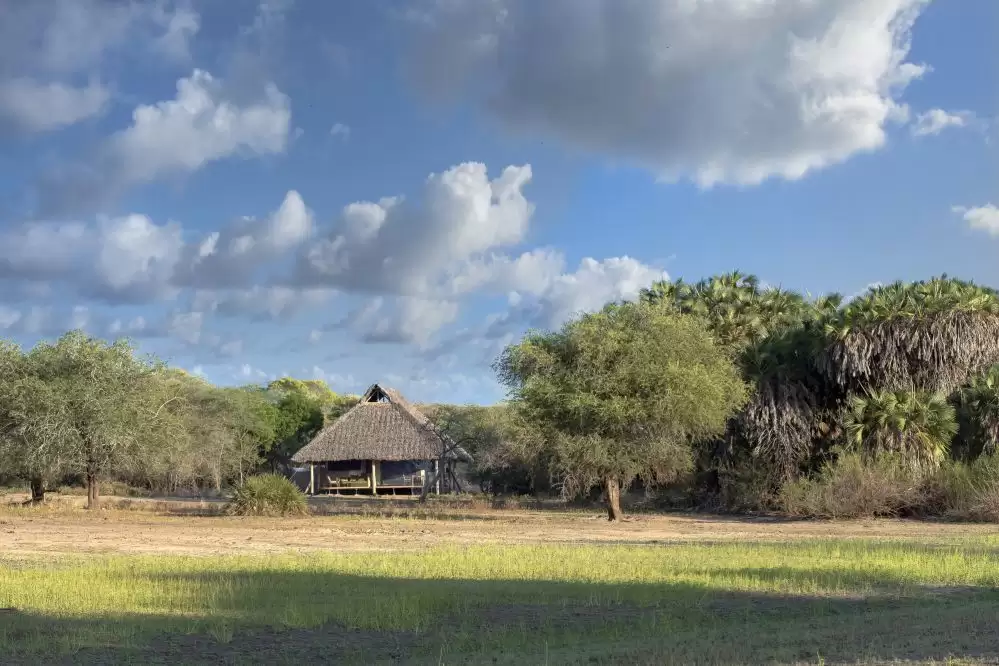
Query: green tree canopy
{"points": [[622, 394], [102, 389], [916, 426]]}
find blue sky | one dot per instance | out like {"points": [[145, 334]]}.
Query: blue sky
{"points": [[394, 190]]}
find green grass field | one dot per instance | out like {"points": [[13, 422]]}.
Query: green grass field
{"points": [[799, 602]]}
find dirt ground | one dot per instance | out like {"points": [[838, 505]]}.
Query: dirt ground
{"points": [[68, 529]]}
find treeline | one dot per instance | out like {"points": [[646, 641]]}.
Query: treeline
{"points": [[81, 410], [718, 395], [726, 395]]}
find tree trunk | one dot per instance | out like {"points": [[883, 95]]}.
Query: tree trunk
{"points": [[93, 491], [37, 490], [613, 498]]}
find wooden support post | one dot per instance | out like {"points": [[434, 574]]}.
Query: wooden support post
{"points": [[312, 478]]}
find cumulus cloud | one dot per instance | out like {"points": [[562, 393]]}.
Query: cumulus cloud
{"points": [[340, 130], [133, 259], [39, 107], [47, 45], [935, 121], [413, 320], [416, 248], [552, 302], [46, 321], [260, 302], [587, 289], [197, 127], [730, 91], [123, 258], [202, 124], [983, 218], [233, 256], [179, 29]]}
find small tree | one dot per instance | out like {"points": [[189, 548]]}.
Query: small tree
{"points": [[622, 394], [102, 390], [33, 432], [916, 425]]}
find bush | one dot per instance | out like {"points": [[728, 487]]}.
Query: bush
{"points": [[853, 487], [968, 491], [267, 495]]}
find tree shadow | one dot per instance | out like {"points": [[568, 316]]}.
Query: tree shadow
{"points": [[278, 616]]}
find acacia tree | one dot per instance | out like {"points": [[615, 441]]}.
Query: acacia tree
{"points": [[102, 388], [32, 423], [621, 394]]}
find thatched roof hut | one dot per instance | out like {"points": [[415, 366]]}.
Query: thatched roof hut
{"points": [[382, 426]]}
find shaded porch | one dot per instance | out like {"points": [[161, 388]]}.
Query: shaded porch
{"points": [[369, 477]]}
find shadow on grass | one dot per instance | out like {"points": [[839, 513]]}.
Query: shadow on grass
{"points": [[275, 616]]}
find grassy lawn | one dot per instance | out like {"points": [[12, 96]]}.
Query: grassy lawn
{"points": [[823, 601]]}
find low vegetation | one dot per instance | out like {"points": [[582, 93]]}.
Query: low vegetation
{"points": [[796, 602], [267, 495]]}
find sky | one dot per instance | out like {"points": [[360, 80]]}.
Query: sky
{"points": [[392, 191]]}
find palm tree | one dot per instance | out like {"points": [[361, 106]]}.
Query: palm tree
{"points": [[978, 414], [932, 336], [738, 311], [916, 425]]}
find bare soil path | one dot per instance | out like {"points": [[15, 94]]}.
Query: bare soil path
{"points": [[72, 530]]}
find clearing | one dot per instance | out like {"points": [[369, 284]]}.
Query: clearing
{"points": [[491, 586]]}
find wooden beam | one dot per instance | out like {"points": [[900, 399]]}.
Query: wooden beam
{"points": [[312, 478]]}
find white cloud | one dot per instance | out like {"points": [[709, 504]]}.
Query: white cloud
{"points": [[404, 248], [125, 258], [197, 127], [984, 218], [68, 36], [131, 258], [179, 27], [46, 47], [234, 255], [9, 317], [531, 272], [42, 321], [251, 373], [403, 319], [40, 107], [137, 256], [935, 121], [134, 327], [591, 286], [728, 91], [335, 380], [185, 326], [260, 302], [340, 130]]}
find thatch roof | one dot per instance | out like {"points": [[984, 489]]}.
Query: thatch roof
{"points": [[382, 426]]}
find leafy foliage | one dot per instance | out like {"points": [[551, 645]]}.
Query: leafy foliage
{"points": [[622, 393], [267, 495], [504, 462], [978, 411], [918, 426]]}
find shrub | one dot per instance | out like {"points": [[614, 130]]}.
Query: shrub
{"points": [[267, 495], [854, 487], [968, 491]]}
